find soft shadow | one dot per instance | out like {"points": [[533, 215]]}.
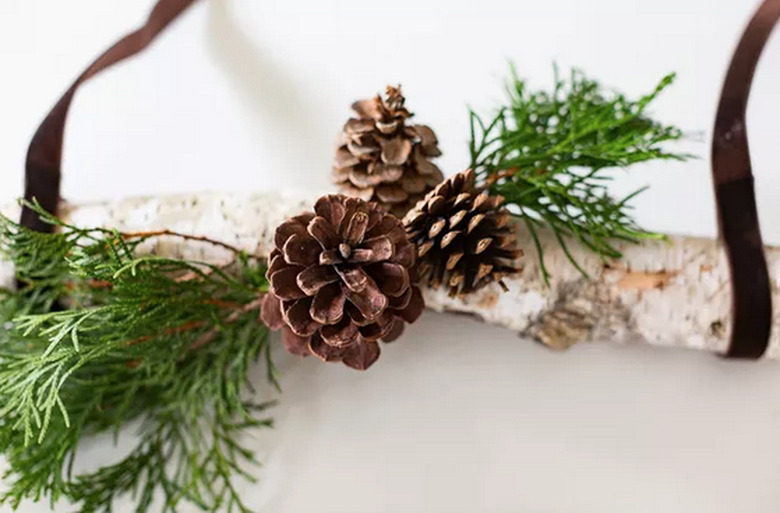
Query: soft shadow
{"points": [[270, 94]]}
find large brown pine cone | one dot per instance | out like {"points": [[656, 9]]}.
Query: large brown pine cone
{"points": [[463, 237], [380, 158], [342, 278]]}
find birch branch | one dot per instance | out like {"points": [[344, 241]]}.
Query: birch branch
{"points": [[673, 293]]}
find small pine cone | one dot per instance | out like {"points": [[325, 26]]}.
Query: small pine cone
{"points": [[463, 237], [341, 278], [380, 158]]}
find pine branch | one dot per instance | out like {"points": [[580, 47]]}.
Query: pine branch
{"points": [[99, 335], [549, 155]]}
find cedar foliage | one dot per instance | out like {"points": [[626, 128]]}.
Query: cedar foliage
{"points": [[100, 333], [97, 335], [549, 154]]}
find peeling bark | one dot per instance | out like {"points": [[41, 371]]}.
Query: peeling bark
{"points": [[663, 293]]}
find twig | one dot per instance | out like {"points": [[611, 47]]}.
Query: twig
{"points": [[494, 177], [210, 334], [161, 233], [203, 273], [191, 325], [223, 304]]}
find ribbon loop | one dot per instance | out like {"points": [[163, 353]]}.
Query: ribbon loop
{"points": [[735, 195], [43, 170]]}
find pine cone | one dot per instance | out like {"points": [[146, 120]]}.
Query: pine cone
{"points": [[379, 158], [341, 279], [462, 236]]}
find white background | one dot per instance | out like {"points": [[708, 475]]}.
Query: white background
{"points": [[456, 417]]}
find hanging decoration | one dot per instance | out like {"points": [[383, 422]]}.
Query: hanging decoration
{"points": [[100, 328]]}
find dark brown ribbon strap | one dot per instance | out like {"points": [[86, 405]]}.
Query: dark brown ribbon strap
{"points": [[44, 156], [735, 196]]}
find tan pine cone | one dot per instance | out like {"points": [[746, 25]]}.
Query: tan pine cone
{"points": [[341, 278], [381, 158], [463, 237]]}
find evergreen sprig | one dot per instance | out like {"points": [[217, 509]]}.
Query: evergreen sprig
{"points": [[98, 335], [548, 154]]}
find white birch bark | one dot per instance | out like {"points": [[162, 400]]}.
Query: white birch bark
{"points": [[673, 293]]}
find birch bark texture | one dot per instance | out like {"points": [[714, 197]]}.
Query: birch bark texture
{"points": [[672, 293]]}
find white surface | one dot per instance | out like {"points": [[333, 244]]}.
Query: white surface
{"points": [[455, 417]]}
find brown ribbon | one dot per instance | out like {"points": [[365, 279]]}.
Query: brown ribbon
{"points": [[735, 196], [44, 156], [731, 171]]}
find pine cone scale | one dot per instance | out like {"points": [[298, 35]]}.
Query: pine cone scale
{"points": [[368, 108], [326, 352], [293, 226], [366, 194], [361, 178], [391, 193], [332, 211], [294, 344], [361, 356], [373, 250], [370, 302], [359, 126], [355, 314], [356, 229], [474, 222], [377, 330], [404, 255], [343, 334], [428, 141], [345, 159], [394, 332], [385, 173], [284, 283], [456, 219], [452, 241], [275, 262], [452, 261], [271, 312], [296, 314], [412, 311], [355, 278], [363, 150], [392, 279], [414, 184], [300, 249], [401, 301], [327, 307], [322, 231], [425, 167], [396, 151], [341, 176], [315, 277]]}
